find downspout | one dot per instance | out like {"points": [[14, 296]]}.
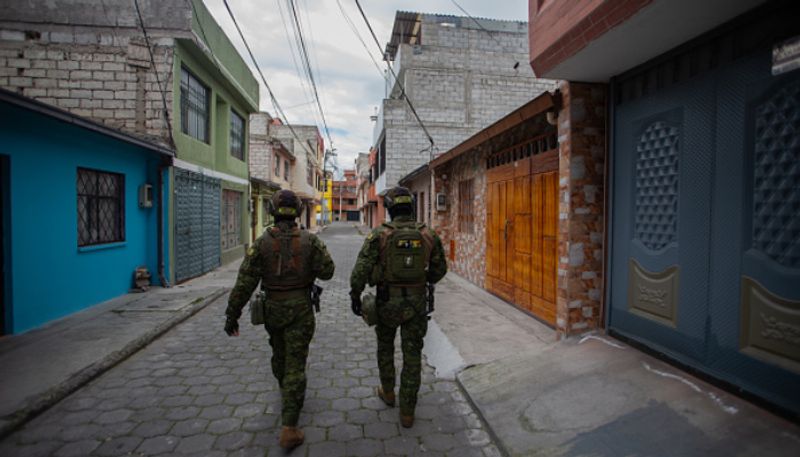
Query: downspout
{"points": [[160, 197], [604, 314]]}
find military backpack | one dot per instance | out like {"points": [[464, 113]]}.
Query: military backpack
{"points": [[287, 255], [405, 250]]}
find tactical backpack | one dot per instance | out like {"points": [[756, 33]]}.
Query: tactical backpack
{"points": [[405, 250], [287, 256]]}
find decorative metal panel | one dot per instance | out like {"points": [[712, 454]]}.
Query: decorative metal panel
{"points": [[197, 216], [770, 326], [653, 295], [776, 183], [656, 219]]}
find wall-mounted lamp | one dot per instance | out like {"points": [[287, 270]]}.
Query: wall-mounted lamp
{"points": [[552, 117]]}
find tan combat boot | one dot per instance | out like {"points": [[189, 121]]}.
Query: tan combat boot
{"points": [[291, 437], [387, 397], [406, 421]]}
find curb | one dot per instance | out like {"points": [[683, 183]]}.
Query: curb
{"points": [[46, 400], [486, 425]]}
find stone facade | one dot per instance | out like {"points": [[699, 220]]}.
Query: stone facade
{"points": [[582, 154], [460, 79], [581, 229], [260, 159]]}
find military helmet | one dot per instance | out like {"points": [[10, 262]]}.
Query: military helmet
{"points": [[398, 196], [369, 312], [285, 203]]}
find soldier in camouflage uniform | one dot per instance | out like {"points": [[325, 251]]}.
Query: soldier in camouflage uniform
{"points": [[399, 257], [286, 261]]}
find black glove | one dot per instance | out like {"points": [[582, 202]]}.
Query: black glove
{"points": [[355, 303], [231, 326]]}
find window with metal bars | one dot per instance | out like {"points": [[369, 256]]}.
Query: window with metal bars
{"points": [[195, 106], [286, 169], [466, 196], [231, 232], [101, 210], [237, 136], [277, 165]]}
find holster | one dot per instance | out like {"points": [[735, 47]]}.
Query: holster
{"points": [[257, 311]]}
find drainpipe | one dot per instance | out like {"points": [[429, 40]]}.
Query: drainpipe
{"points": [[160, 198]]}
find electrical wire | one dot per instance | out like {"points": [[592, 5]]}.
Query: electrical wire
{"points": [[264, 80], [155, 71], [309, 69], [358, 35], [402, 89], [303, 81]]}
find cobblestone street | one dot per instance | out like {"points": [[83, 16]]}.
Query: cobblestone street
{"points": [[195, 391]]}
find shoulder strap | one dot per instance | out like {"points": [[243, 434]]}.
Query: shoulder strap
{"points": [[383, 240]]}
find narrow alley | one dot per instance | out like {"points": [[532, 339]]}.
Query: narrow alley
{"points": [[195, 391]]}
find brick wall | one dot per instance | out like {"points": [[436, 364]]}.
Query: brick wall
{"points": [[582, 156], [460, 80], [103, 74], [260, 158]]}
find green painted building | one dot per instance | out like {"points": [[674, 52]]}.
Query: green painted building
{"points": [[214, 95]]}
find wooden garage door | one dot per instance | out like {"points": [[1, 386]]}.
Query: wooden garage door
{"points": [[522, 220]]}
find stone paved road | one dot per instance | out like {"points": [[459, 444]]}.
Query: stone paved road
{"points": [[197, 392]]}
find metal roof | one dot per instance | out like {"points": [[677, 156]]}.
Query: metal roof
{"points": [[65, 116]]}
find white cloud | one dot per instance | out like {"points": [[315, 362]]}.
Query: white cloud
{"points": [[348, 82]]}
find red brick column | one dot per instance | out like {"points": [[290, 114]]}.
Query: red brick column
{"points": [[582, 153]]}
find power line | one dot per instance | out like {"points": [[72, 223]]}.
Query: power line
{"points": [[303, 81], [402, 89], [155, 71], [309, 68], [264, 80], [358, 35]]}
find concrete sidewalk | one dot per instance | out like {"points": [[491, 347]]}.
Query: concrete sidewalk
{"points": [[592, 396], [44, 365]]}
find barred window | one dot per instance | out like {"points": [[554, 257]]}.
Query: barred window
{"points": [[231, 232], [101, 210], [286, 169], [237, 136], [466, 196], [194, 106], [277, 165]]}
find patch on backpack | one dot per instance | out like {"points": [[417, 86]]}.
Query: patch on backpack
{"points": [[409, 244]]}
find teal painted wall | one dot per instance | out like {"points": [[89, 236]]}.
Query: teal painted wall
{"points": [[51, 276]]}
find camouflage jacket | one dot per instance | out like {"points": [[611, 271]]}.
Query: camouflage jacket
{"points": [[368, 259], [250, 272]]}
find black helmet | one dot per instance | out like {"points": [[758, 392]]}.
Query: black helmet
{"points": [[285, 203], [397, 196]]}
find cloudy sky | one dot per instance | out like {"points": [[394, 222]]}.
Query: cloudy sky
{"points": [[350, 84]]}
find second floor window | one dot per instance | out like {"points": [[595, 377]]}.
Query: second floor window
{"points": [[237, 136], [310, 173], [195, 106], [277, 165], [286, 170]]}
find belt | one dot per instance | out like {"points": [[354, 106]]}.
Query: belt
{"points": [[405, 291], [304, 292]]}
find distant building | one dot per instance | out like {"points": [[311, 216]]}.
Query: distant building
{"points": [[461, 74], [308, 148], [81, 208], [362, 185], [270, 165], [345, 202], [191, 89]]}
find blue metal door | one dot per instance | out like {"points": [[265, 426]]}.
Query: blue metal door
{"points": [[705, 259], [197, 216]]}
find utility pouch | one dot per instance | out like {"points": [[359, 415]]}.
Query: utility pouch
{"points": [[257, 308]]}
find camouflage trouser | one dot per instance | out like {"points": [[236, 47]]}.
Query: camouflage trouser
{"points": [[289, 353], [412, 333]]}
